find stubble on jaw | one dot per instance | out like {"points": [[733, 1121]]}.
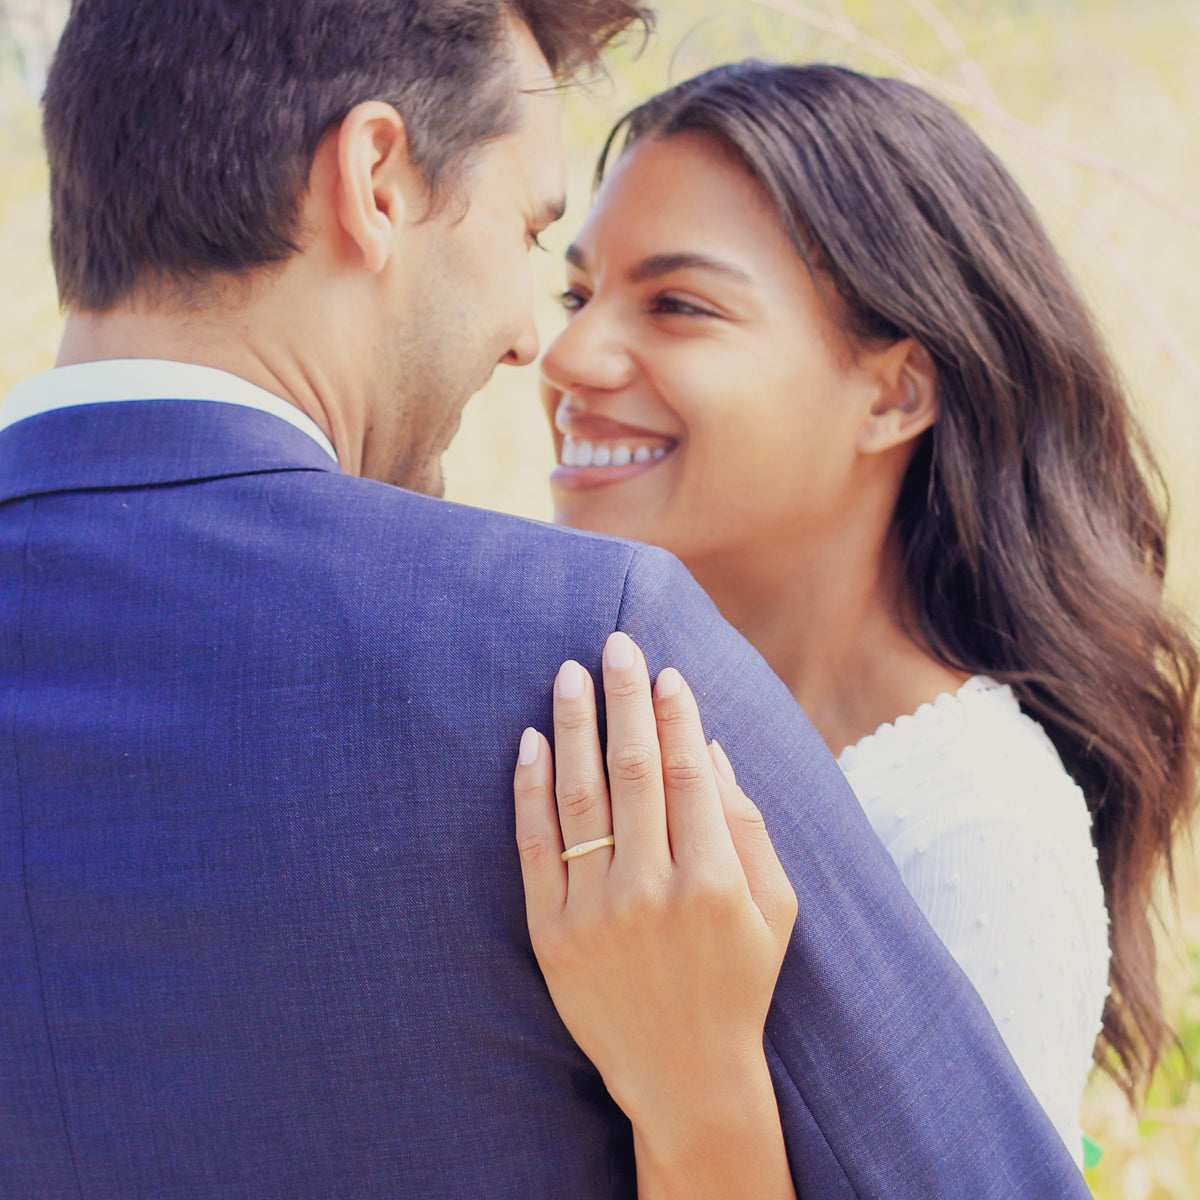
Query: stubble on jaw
{"points": [[434, 363], [415, 459], [425, 473], [414, 469], [438, 383]]}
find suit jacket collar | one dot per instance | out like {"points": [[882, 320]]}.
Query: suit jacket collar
{"points": [[148, 442]]}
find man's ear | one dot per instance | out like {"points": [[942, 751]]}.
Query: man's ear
{"points": [[905, 403], [377, 185]]}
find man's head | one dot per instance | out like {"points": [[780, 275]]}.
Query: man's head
{"points": [[194, 146]]}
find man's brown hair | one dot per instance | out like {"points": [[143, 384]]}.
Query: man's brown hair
{"points": [[181, 136]]}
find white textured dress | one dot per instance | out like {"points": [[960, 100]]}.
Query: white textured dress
{"points": [[993, 840]]}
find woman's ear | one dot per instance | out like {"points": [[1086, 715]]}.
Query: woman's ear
{"points": [[905, 403], [377, 182]]}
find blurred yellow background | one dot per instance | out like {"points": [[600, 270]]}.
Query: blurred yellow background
{"points": [[1095, 107]]}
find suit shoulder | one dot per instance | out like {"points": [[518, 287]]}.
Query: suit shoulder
{"points": [[496, 538], [399, 546]]}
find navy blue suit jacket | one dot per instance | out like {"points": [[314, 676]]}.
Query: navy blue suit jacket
{"points": [[261, 923]]}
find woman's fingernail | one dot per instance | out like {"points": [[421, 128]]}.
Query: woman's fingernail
{"points": [[531, 746], [722, 763], [570, 681], [618, 651], [670, 683]]}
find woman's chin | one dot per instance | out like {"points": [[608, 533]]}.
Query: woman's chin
{"points": [[586, 511], [611, 498], [590, 517]]}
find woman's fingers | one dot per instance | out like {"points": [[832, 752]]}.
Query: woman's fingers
{"points": [[583, 809], [695, 818], [634, 762], [661, 959], [539, 838], [769, 885]]}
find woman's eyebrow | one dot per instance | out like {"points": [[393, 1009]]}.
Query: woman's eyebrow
{"points": [[664, 264], [658, 265]]}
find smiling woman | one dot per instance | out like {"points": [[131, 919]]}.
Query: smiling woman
{"points": [[695, 355], [820, 347]]}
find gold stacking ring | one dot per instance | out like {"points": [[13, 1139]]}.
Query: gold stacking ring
{"points": [[587, 847]]}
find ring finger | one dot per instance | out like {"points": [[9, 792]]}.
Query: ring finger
{"points": [[583, 806]]}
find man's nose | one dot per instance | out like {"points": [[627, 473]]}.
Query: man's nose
{"points": [[525, 349]]}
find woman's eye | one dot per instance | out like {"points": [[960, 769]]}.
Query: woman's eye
{"points": [[571, 300], [674, 306]]}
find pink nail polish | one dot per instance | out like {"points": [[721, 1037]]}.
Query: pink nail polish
{"points": [[570, 681], [618, 652], [531, 746], [670, 683], [722, 763]]}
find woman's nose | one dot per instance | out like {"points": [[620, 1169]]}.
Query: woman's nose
{"points": [[588, 355]]}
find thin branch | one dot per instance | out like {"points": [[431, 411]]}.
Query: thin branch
{"points": [[1171, 1116], [1174, 349], [963, 97], [950, 38], [837, 9]]}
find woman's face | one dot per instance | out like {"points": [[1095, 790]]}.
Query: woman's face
{"points": [[702, 396]]}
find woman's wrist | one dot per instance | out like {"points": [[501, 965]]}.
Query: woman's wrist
{"points": [[721, 1141]]}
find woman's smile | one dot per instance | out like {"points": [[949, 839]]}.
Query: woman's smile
{"points": [[598, 451]]}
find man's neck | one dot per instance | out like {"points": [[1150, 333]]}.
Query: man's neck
{"points": [[220, 338]]}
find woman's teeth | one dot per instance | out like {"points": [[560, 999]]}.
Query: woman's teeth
{"points": [[579, 453]]}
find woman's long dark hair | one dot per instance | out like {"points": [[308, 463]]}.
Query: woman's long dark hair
{"points": [[1032, 517]]}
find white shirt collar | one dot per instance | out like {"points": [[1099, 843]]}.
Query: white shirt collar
{"points": [[147, 379]]}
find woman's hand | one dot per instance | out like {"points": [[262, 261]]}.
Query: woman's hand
{"points": [[662, 951]]}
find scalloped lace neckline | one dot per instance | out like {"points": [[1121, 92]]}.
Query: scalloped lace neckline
{"points": [[976, 685]]}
